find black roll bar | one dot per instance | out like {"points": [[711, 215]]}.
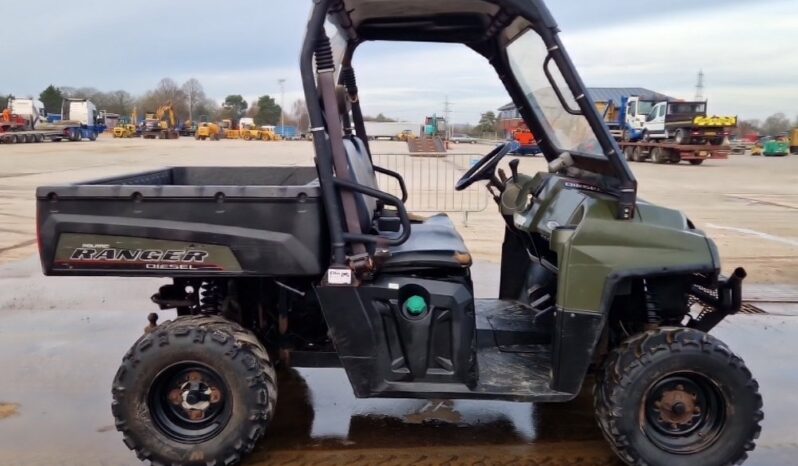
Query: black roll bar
{"points": [[323, 155]]}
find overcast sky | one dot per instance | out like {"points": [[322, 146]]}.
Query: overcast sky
{"points": [[747, 49]]}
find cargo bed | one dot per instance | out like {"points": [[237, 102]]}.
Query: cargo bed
{"points": [[186, 221]]}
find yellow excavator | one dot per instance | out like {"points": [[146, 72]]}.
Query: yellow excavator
{"points": [[161, 125], [127, 129]]}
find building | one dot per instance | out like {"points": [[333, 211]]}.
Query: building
{"points": [[510, 118]]}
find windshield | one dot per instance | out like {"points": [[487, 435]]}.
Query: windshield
{"points": [[566, 131], [644, 107]]}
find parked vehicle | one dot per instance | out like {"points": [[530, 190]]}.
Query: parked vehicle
{"points": [[686, 123], [289, 133], [794, 141], [463, 139], [321, 268], [188, 128], [626, 119], [406, 136], [162, 124], [26, 121], [388, 130], [209, 131], [527, 145], [776, 147]]}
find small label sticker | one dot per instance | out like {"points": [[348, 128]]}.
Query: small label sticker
{"points": [[339, 277], [393, 286]]}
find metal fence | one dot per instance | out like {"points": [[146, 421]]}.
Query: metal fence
{"points": [[430, 182]]}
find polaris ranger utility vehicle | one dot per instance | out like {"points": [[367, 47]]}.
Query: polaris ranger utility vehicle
{"points": [[318, 267]]}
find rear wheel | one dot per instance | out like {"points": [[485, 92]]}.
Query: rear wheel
{"points": [[196, 390], [658, 155], [696, 162], [39, 138], [12, 139], [677, 396], [637, 154], [628, 152]]}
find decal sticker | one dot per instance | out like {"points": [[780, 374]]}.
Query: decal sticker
{"points": [[339, 276], [99, 252], [583, 186]]}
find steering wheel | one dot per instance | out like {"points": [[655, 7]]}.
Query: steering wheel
{"points": [[486, 167]]}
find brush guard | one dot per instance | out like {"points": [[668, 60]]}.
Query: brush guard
{"points": [[725, 299]]}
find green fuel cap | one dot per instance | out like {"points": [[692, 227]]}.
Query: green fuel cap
{"points": [[416, 305]]}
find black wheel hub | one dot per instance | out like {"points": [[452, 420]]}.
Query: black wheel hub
{"points": [[684, 413], [189, 402]]}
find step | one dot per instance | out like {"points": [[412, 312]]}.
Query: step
{"points": [[509, 326]]}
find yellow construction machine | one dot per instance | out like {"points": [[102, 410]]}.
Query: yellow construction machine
{"points": [[269, 133], [230, 129], [160, 125], [208, 131], [126, 129], [406, 135]]}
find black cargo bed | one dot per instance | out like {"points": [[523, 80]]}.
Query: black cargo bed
{"points": [[184, 221]]}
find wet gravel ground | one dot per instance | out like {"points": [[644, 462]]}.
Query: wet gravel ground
{"points": [[61, 341]]}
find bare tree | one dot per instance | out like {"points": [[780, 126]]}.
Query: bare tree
{"points": [[166, 91], [776, 124], [299, 114], [194, 93]]}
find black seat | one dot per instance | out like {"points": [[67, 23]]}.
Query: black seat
{"points": [[434, 242]]}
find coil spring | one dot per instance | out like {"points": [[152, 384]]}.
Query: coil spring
{"points": [[211, 298]]}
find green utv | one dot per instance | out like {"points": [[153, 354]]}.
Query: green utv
{"points": [[318, 267]]}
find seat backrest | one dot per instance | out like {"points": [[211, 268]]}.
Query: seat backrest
{"points": [[362, 171]]}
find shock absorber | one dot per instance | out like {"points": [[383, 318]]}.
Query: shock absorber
{"points": [[653, 318], [211, 297]]}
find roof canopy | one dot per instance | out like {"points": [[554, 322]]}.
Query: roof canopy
{"points": [[430, 20]]}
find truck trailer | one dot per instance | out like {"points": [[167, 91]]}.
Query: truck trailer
{"points": [[389, 129], [26, 121]]}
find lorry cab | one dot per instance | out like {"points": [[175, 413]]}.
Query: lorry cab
{"points": [[654, 125], [637, 111], [30, 109]]}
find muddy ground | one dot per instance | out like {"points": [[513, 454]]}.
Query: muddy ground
{"points": [[61, 339]]}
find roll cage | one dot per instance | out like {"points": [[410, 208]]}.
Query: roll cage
{"points": [[485, 26]]}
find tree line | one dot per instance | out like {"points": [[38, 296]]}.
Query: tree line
{"points": [[188, 100], [774, 125]]}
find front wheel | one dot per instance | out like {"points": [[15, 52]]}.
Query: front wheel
{"points": [[680, 137], [196, 390], [677, 396]]}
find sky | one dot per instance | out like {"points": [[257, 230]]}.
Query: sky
{"points": [[747, 50]]}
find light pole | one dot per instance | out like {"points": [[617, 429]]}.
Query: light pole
{"points": [[282, 106]]}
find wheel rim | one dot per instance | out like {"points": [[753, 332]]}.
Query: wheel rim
{"points": [[684, 413], [190, 403]]}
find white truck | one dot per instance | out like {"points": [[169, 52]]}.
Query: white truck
{"points": [[26, 121], [686, 123], [390, 130]]}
